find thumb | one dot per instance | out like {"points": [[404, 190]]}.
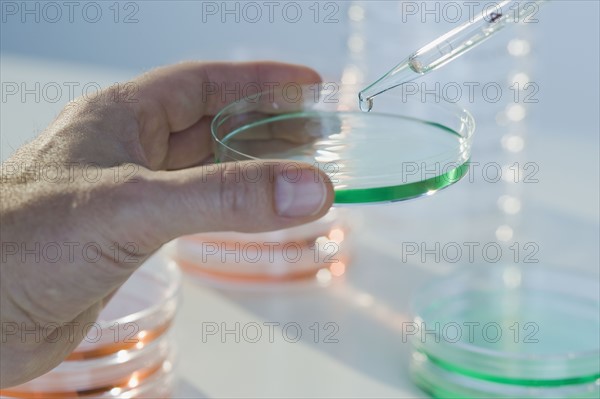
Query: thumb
{"points": [[249, 196]]}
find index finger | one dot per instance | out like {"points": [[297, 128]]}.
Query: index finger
{"points": [[176, 97]]}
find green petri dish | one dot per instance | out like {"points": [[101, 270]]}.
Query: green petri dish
{"points": [[508, 332], [404, 148]]}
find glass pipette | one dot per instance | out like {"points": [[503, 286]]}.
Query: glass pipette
{"points": [[450, 46]]}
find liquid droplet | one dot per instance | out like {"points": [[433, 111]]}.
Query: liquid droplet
{"points": [[365, 104]]}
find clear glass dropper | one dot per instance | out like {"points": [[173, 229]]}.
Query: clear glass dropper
{"points": [[450, 46]]}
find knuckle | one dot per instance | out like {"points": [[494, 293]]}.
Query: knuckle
{"points": [[233, 192], [238, 194]]}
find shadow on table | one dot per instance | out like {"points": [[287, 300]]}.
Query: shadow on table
{"points": [[352, 320], [185, 389]]}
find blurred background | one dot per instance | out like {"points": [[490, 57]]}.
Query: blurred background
{"points": [[540, 130]]}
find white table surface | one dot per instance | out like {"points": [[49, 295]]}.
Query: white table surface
{"points": [[559, 213]]}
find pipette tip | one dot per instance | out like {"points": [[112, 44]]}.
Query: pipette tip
{"points": [[365, 103]]}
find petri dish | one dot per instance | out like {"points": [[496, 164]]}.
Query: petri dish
{"points": [[297, 253], [91, 377], [508, 332], [140, 312], [158, 382], [127, 351], [404, 148]]}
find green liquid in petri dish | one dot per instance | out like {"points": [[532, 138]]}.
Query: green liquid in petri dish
{"points": [[510, 332], [369, 157], [518, 323]]}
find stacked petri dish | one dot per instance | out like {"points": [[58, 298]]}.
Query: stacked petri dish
{"points": [[508, 332], [317, 250], [128, 352]]}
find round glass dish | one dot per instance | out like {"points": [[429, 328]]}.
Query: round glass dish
{"points": [[404, 148], [295, 253], [140, 312], [508, 332], [127, 351], [156, 383], [93, 376]]}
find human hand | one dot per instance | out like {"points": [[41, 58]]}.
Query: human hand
{"points": [[147, 190]]}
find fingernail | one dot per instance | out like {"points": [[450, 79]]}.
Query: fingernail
{"points": [[299, 193]]}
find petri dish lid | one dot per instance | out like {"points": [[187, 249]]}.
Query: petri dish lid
{"points": [[141, 311], [404, 148], [527, 326], [94, 374], [318, 249], [154, 381]]}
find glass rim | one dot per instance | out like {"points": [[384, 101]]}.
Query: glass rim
{"points": [[442, 284], [391, 187], [171, 274], [439, 381], [439, 102]]}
